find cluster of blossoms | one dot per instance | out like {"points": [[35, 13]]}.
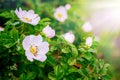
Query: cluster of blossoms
{"points": [[34, 46]]}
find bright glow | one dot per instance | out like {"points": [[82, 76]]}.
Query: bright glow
{"points": [[105, 15]]}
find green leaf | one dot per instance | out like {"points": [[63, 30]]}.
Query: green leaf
{"points": [[45, 19], [106, 77], [22, 76], [74, 50], [51, 60], [82, 50], [66, 50], [53, 48], [86, 78], [82, 72], [14, 34], [58, 70], [5, 40], [51, 76], [88, 56], [7, 14], [71, 70], [31, 75], [92, 50], [71, 61]]}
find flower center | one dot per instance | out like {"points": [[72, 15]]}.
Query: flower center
{"points": [[34, 50], [27, 19], [59, 15]]}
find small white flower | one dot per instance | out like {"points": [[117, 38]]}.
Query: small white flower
{"points": [[67, 6], [28, 16], [69, 37], [60, 14], [1, 29], [89, 41], [87, 27], [35, 48], [48, 31]]}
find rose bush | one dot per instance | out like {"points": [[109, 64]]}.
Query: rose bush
{"points": [[52, 48]]}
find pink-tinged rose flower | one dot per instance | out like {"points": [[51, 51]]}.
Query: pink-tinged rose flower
{"points": [[27, 16], [1, 29], [48, 31], [60, 14], [35, 48], [87, 27], [89, 41], [69, 37], [67, 6]]}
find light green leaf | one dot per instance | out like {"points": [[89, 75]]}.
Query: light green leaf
{"points": [[74, 50], [71, 61]]}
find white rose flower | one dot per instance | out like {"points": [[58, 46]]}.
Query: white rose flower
{"points": [[89, 41], [67, 6], [87, 27], [60, 14], [48, 31], [35, 48], [28, 16], [1, 29], [69, 37]]}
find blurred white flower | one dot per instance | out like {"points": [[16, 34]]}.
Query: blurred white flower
{"points": [[60, 14], [69, 37], [48, 31], [87, 27], [28, 16], [35, 48], [89, 41], [67, 6], [1, 29]]}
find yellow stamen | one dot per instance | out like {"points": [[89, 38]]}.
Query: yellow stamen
{"points": [[34, 50], [27, 19], [59, 15]]}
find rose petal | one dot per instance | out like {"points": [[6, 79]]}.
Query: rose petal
{"points": [[41, 58], [26, 42], [29, 55], [43, 48]]}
